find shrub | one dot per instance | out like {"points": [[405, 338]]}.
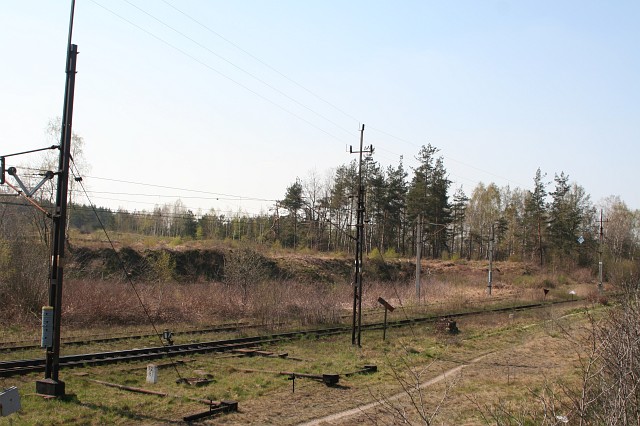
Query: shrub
{"points": [[547, 283], [23, 277], [375, 255], [391, 253], [163, 266], [244, 268]]}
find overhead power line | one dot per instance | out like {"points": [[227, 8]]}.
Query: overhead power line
{"points": [[127, 274], [204, 64], [197, 43], [165, 196], [199, 191], [261, 61], [271, 86], [155, 213]]}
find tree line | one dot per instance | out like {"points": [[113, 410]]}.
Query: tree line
{"points": [[553, 221]]}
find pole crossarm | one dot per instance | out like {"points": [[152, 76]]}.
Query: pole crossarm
{"points": [[30, 151], [33, 203], [28, 192]]}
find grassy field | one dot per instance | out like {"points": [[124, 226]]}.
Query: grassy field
{"points": [[499, 365], [499, 362]]}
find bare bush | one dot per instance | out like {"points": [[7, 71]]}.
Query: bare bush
{"points": [[23, 278], [244, 268], [615, 394], [98, 302], [607, 391], [413, 405]]}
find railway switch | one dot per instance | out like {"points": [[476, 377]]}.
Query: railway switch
{"points": [[168, 336]]}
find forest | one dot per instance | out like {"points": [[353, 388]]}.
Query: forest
{"points": [[554, 222]]}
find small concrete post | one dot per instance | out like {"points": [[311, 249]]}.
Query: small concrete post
{"points": [[152, 374]]}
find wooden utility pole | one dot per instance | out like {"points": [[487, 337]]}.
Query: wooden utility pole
{"points": [[51, 384]]}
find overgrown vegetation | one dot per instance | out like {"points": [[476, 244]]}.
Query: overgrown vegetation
{"points": [[552, 223], [604, 388], [272, 269]]}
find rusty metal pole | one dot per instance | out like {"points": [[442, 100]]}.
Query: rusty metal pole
{"points": [[601, 234], [384, 328], [419, 259], [51, 385], [491, 244], [357, 282]]}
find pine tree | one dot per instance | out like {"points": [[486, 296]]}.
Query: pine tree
{"points": [[396, 206], [428, 201], [536, 217], [293, 202], [569, 208], [458, 213]]}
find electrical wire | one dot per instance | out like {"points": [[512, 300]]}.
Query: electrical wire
{"points": [[273, 87], [163, 195], [126, 272], [239, 68], [407, 141], [33, 203], [233, 197], [274, 103], [262, 62], [155, 214], [209, 29]]}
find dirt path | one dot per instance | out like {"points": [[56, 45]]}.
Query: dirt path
{"points": [[337, 417]]}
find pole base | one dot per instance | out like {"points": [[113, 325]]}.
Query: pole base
{"points": [[50, 387]]}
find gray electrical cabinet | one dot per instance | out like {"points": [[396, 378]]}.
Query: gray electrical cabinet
{"points": [[9, 401], [47, 327]]}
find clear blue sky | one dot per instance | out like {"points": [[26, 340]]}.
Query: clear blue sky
{"points": [[165, 96]]}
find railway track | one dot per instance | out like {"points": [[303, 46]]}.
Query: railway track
{"points": [[26, 366], [74, 340], [23, 345]]}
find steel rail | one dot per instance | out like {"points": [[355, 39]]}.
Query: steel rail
{"points": [[25, 366], [21, 345], [73, 340]]}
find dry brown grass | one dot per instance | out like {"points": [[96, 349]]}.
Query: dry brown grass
{"points": [[270, 302], [514, 364], [446, 286], [103, 303]]}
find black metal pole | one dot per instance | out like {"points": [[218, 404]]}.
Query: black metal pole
{"points": [[51, 385], [357, 282], [384, 329], [360, 250]]}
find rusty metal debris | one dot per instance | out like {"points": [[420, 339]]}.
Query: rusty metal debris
{"points": [[214, 408], [151, 392], [330, 379], [447, 325], [369, 368], [195, 381], [257, 352]]}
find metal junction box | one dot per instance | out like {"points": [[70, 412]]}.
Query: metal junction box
{"points": [[47, 327], [9, 401]]}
